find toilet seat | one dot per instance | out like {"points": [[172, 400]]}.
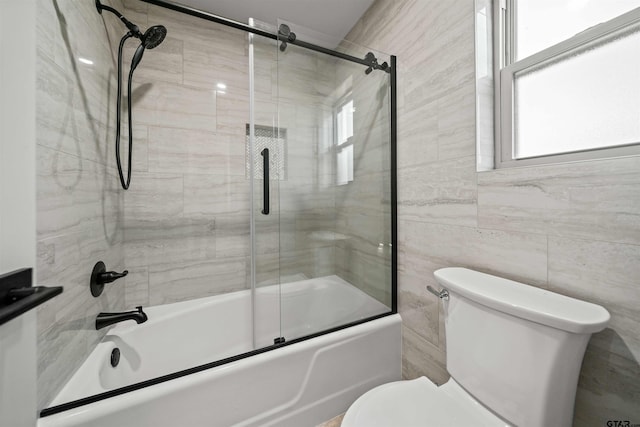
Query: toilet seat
{"points": [[419, 403]]}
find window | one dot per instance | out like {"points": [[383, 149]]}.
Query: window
{"points": [[567, 83], [344, 141]]}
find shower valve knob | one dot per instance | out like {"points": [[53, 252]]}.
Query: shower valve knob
{"points": [[100, 276], [110, 276]]}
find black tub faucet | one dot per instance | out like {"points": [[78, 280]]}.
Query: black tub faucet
{"points": [[105, 319]]}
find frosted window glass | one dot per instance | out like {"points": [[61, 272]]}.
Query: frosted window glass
{"points": [[543, 23], [587, 99]]}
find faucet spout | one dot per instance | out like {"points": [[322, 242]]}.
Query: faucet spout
{"points": [[106, 319]]}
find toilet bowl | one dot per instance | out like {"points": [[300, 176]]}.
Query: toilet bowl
{"points": [[419, 403], [514, 353]]}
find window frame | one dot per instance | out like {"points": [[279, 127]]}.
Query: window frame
{"points": [[505, 69]]}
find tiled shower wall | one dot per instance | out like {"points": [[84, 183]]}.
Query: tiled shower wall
{"points": [[572, 228], [363, 243], [186, 213], [79, 206]]}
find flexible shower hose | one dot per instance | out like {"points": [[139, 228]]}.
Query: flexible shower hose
{"points": [[125, 184]]}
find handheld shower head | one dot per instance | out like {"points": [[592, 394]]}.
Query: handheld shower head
{"points": [[137, 57], [154, 36], [150, 39]]}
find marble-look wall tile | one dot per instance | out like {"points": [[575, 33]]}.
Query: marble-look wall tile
{"points": [[158, 103], [187, 211], [419, 128], [426, 247], [592, 200], [233, 114], [140, 158], [232, 236], [419, 313], [136, 287], [64, 124], [79, 207], [188, 151], [154, 196], [157, 241], [456, 123], [443, 192], [173, 282], [207, 65], [193, 30], [162, 64], [581, 217], [420, 358], [607, 274], [214, 195]]}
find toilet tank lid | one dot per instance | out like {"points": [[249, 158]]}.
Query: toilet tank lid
{"points": [[525, 301]]}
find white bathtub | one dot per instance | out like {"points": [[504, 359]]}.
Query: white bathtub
{"points": [[297, 385]]}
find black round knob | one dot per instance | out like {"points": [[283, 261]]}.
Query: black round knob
{"points": [[115, 357]]}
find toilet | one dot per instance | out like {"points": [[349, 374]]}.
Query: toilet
{"points": [[514, 354]]}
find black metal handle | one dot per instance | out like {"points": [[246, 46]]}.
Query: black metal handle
{"points": [[100, 276], [110, 276], [265, 181], [17, 295]]}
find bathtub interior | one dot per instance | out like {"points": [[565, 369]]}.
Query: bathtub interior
{"points": [[188, 334]]}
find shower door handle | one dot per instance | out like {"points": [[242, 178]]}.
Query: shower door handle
{"points": [[265, 181]]}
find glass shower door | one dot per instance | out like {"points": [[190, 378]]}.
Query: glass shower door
{"points": [[334, 191], [265, 154]]}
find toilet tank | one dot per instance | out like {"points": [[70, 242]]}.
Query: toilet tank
{"points": [[516, 348]]}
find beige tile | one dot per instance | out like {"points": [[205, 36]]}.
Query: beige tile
{"points": [[424, 248], [609, 382], [195, 152], [163, 63], [174, 105], [419, 358], [419, 312], [456, 123], [154, 196], [151, 242], [333, 422], [136, 287], [216, 195], [171, 282], [443, 192], [205, 65], [603, 273], [592, 200], [418, 135]]}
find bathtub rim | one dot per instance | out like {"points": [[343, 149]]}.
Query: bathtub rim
{"points": [[164, 378]]}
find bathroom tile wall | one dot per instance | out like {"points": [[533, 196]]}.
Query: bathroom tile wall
{"points": [[306, 193], [186, 214], [363, 238], [79, 206], [572, 228]]}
